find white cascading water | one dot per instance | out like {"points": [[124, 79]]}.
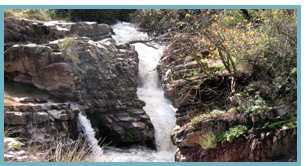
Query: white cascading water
{"points": [[157, 106], [159, 109], [89, 133]]}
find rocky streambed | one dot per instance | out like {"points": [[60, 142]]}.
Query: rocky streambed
{"points": [[87, 68], [67, 79]]}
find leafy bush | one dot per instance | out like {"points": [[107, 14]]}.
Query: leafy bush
{"points": [[259, 43], [232, 133], [250, 104]]}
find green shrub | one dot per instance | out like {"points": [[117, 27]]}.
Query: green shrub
{"points": [[232, 133], [250, 104], [232, 17]]}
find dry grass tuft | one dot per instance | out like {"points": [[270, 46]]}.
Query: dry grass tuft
{"points": [[35, 14], [75, 151]]}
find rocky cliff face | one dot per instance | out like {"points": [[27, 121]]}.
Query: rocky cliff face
{"points": [[208, 130], [77, 62]]}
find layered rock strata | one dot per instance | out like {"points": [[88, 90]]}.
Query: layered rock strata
{"points": [[79, 63]]}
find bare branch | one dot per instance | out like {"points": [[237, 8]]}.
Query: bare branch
{"points": [[145, 42]]}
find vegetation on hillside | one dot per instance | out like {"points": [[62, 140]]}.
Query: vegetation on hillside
{"points": [[254, 49], [246, 66]]}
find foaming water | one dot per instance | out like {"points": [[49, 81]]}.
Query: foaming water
{"points": [[139, 154], [159, 109], [157, 106], [125, 32]]}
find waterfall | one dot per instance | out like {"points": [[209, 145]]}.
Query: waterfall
{"points": [[157, 106], [89, 133], [159, 109]]}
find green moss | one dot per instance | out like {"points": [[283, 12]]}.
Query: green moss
{"points": [[208, 141], [199, 118], [66, 45]]}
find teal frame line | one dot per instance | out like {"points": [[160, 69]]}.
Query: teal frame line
{"points": [[298, 19]]}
